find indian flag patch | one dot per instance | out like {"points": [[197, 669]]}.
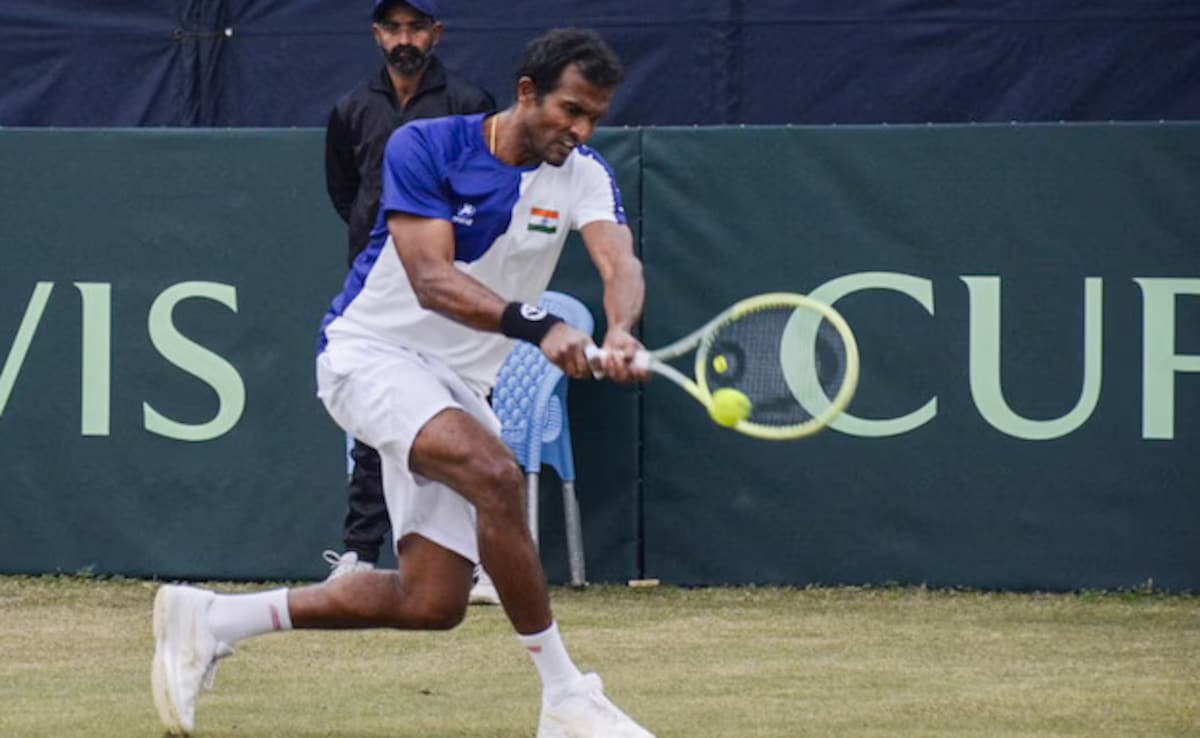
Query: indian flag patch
{"points": [[542, 220]]}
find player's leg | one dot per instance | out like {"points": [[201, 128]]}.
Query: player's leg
{"points": [[456, 449], [388, 399], [428, 591], [194, 627]]}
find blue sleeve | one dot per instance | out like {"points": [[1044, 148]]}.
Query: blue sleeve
{"points": [[413, 176], [599, 198]]}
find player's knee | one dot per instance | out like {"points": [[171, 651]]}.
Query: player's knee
{"points": [[503, 473], [501, 488], [442, 614]]}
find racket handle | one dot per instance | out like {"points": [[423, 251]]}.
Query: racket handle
{"points": [[595, 355]]}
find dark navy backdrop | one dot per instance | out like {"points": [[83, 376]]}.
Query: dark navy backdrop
{"points": [[283, 62]]}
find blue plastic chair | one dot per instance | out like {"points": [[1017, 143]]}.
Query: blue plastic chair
{"points": [[530, 398]]}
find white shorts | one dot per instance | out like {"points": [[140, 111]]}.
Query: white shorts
{"points": [[383, 396]]}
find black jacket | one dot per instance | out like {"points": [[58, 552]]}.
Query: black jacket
{"points": [[358, 131]]}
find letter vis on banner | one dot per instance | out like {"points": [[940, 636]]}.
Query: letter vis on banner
{"points": [[196, 360], [24, 337], [96, 358]]}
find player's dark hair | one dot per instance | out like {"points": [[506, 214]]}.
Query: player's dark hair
{"points": [[549, 54]]}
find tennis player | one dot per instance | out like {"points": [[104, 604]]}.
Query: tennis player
{"points": [[474, 215]]}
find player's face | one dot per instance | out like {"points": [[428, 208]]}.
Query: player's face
{"points": [[564, 118], [406, 36]]}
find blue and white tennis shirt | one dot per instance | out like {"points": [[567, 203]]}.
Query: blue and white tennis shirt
{"points": [[510, 224]]}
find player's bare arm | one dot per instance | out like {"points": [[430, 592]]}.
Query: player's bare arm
{"points": [[426, 248], [611, 248]]}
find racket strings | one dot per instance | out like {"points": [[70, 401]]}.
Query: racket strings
{"points": [[788, 361]]}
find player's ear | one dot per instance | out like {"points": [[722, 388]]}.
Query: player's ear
{"points": [[437, 33], [526, 91]]}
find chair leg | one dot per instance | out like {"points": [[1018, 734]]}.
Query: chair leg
{"points": [[531, 504], [574, 535]]}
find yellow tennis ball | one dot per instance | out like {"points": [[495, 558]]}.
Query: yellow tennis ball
{"points": [[729, 407], [720, 364]]}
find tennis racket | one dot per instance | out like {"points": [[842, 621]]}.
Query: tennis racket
{"points": [[794, 358]]}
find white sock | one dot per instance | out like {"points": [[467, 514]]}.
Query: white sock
{"points": [[550, 657], [235, 617]]}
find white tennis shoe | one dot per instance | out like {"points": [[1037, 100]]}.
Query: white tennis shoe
{"points": [[185, 654], [483, 592], [584, 712], [342, 564]]}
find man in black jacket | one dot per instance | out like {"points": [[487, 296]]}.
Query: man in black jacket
{"points": [[412, 84]]}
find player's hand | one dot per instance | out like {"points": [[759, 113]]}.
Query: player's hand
{"points": [[564, 346], [620, 348]]}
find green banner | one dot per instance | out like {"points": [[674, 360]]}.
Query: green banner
{"points": [[1026, 299]]}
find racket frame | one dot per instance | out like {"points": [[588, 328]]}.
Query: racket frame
{"points": [[701, 340]]}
